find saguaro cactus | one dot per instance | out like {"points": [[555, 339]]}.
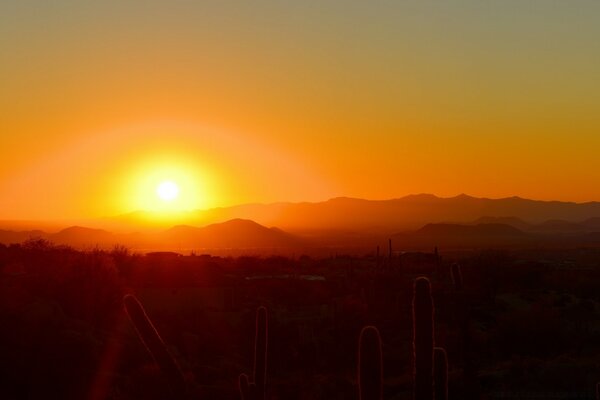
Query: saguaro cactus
{"points": [[155, 345], [370, 366], [255, 389], [440, 373], [423, 339]]}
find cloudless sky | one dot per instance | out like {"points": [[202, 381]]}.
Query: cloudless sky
{"points": [[267, 101]]}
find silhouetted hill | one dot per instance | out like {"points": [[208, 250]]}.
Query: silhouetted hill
{"points": [[236, 233], [559, 226], [463, 236], [593, 224], [78, 236], [511, 221]]}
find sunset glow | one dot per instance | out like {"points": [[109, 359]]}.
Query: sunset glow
{"points": [[259, 103], [164, 184]]}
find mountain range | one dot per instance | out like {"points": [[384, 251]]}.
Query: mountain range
{"points": [[406, 213], [415, 221], [233, 234]]}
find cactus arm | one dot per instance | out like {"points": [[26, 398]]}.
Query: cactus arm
{"points": [[155, 345]]}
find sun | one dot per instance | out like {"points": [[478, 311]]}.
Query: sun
{"points": [[166, 186], [167, 190]]}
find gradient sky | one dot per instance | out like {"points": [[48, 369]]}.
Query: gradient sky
{"points": [[262, 101]]}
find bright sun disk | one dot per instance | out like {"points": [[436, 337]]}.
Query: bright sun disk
{"points": [[167, 190]]}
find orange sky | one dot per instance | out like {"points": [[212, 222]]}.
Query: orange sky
{"points": [[272, 101]]}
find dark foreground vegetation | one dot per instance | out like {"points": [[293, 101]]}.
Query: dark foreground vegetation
{"points": [[508, 325]]}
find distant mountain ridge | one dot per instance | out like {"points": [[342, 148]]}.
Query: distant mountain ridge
{"points": [[351, 214]]}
